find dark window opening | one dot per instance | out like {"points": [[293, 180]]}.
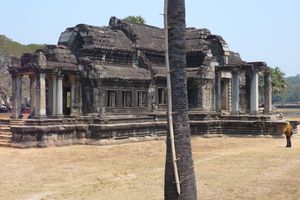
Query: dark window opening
{"points": [[192, 97], [194, 59], [162, 96], [142, 98], [127, 98], [67, 95], [67, 101], [87, 100], [111, 99]]}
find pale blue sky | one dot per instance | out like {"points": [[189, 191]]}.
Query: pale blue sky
{"points": [[260, 30]]}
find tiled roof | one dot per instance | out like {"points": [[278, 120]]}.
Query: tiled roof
{"points": [[59, 53], [235, 59], [125, 73], [95, 37], [196, 39]]}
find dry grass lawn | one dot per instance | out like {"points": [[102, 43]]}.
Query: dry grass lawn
{"points": [[226, 168]]}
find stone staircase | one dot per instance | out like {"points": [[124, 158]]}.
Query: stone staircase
{"points": [[5, 135], [17, 122]]}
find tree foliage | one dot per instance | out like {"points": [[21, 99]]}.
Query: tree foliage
{"points": [[9, 47], [279, 83], [135, 19], [292, 92], [284, 89]]}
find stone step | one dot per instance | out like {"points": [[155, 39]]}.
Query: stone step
{"points": [[5, 141], [4, 129], [5, 144], [17, 123], [5, 136]]}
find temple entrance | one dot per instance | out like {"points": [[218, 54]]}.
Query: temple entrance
{"points": [[67, 96], [192, 90]]}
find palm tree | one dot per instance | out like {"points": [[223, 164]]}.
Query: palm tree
{"points": [[278, 81], [182, 142]]}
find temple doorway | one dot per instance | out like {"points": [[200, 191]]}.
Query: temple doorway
{"points": [[67, 96]]}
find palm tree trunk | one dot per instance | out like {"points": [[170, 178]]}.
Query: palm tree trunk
{"points": [[177, 57]]}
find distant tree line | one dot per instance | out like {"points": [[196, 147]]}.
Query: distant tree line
{"points": [[11, 48], [8, 49], [291, 94]]}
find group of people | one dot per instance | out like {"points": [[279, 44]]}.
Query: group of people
{"points": [[5, 106]]}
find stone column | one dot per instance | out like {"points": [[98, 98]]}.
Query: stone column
{"points": [[151, 97], [96, 98], [54, 95], [32, 96], [78, 95], [254, 93], [41, 94], [19, 95], [267, 93], [248, 91], [50, 97], [101, 98], [59, 96], [15, 109], [235, 88], [73, 96], [229, 100], [199, 96], [218, 95], [37, 95]]}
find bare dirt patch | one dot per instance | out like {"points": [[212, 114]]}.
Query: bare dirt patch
{"points": [[226, 168]]}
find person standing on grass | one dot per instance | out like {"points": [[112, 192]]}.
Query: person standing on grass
{"points": [[288, 131]]}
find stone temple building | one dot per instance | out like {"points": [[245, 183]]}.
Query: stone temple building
{"points": [[110, 82]]}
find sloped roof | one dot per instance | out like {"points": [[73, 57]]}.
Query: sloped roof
{"points": [[51, 57], [196, 39], [59, 53], [235, 59], [149, 37], [152, 38], [58, 56], [159, 71], [125, 73], [95, 37], [162, 72], [141, 35]]}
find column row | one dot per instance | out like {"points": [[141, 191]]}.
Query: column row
{"points": [[38, 107], [254, 93]]}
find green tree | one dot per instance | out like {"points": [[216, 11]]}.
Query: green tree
{"points": [[135, 19], [292, 92], [9, 47], [177, 56], [279, 83]]}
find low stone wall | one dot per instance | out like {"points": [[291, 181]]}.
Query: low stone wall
{"points": [[49, 132], [238, 127], [59, 135]]}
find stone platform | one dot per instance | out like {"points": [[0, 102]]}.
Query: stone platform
{"points": [[104, 130]]}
